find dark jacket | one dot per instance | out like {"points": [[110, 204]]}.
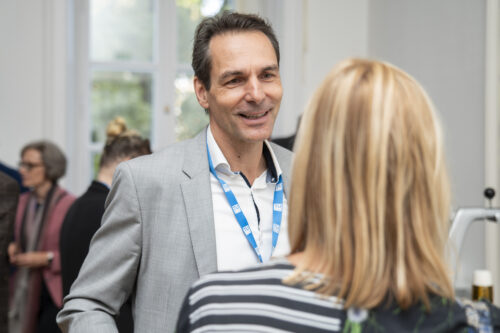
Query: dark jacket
{"points": [[9, 194], [286, 142]]}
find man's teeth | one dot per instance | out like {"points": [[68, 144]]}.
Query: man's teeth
{"points": [[254, 116]]}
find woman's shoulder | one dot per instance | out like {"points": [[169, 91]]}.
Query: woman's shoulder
{"points": [[271, 272], [481, 315], [65, 194], [24, 196], [63, 199], [445, 315], [23, 199]]}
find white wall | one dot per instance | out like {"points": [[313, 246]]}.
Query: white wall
{"points": [[491, 134], [21, 79], [335, 30], [33, 75], [442, 44]]}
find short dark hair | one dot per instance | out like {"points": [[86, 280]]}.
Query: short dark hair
{"points": [[52, 157], [225, 22]]}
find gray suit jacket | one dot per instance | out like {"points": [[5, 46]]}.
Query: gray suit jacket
{"points": [[157, 237]]}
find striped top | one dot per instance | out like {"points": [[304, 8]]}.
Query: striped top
{"points": [[256, 300]]}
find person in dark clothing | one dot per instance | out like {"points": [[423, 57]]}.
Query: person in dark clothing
{"points": [[285, 142], [84, 217], [9, 194], [288, 141], [14, 174]]}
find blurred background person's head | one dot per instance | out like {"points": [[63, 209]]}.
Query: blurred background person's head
{"points": [[122, 144], [42, 165], [369, 202]]}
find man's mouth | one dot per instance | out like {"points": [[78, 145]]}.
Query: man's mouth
{"points": [[254, 115]]}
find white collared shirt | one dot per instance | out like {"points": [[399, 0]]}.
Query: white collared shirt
{"points": [[233, 249]]}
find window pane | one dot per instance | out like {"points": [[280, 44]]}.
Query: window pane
{"points": [[190, 116], [121, 30], [95, 159], [189, 14], [122, 94]]}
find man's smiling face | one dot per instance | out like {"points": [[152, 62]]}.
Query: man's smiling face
{"points": [[245, 92]]}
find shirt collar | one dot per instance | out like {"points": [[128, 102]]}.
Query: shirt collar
{"points": [[219, 161], [221, 164]]}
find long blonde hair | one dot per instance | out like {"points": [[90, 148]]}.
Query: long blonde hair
{"points": [[369, 201]]}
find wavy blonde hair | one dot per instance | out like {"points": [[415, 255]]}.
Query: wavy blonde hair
{"points": [[369, 201]]}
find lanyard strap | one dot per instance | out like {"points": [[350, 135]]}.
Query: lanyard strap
{"points": [[240, 217]]}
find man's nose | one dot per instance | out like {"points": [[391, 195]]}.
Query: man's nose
{"points": [[254, 91]]}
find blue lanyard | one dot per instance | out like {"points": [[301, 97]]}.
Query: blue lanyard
{"points": [[240, 217]]}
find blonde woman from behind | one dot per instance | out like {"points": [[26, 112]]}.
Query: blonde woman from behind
{"points": [[368, 223]]}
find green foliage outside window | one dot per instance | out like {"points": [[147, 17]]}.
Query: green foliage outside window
{"points": [[96, 159], [190, 116], [122, 30], [192, 119], [121, 94]]}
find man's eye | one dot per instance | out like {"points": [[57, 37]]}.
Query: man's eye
{"points": [[233, 81], [268, 75]]}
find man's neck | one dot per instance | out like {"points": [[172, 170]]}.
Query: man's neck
{"points": [[246, 157]]}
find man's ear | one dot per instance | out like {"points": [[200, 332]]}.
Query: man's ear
{"points": [[201, 93]]}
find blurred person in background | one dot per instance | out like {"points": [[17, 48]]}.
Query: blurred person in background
{"points": [[9, 195], [15, 174], [368, 223], [36, 293], [84, 217], [288, 141]]}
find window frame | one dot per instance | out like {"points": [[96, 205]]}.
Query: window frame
{"points": [[162, 69]]}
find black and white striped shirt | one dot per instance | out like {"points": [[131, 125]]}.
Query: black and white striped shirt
{"points": [[256, 300]]}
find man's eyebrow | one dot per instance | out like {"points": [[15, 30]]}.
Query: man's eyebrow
{"points": [[271, 68], [227, 74]]}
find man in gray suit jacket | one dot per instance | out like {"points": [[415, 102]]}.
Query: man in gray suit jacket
{"points": [[217, 201]]}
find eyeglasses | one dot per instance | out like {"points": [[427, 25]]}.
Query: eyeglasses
{"points": [[28, 166]]}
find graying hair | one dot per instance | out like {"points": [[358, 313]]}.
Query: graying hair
{"points": [[52, 157]]}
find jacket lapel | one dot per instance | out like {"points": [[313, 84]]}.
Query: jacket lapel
{"points": [[197, 197], [285, 161]]}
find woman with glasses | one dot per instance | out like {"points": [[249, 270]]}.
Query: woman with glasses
{"points": [[36, 286], [368, 223]]}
